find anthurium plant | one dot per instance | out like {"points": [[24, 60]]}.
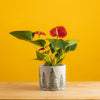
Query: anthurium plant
{"points": [[53, 53]]}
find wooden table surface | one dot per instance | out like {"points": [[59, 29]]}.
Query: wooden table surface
{"points": [[31, 90]]}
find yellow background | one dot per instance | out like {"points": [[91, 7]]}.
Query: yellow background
{"points": [[82, 21]]}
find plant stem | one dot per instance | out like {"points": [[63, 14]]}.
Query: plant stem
{"points": [[54, 60], [45, 55], [39, 32]]}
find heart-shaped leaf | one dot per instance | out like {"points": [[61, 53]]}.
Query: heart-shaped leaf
{"points": [[52, 47], [39, 42], [24, 35], [59, 53], [51, 40], [61, 44], [40, 56], [71, 48], [71, 42]]}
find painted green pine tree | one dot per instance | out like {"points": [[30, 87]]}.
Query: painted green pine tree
{"points": [[40, 79], [61, 81], [44, 83], [52, 80]]}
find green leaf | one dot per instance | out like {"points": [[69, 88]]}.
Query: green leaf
{"points": [[39, 42], [71, 48], [52, 44], [24, 35], [60, 60], [71, 42], [61, 44], [51, 40], [52, 47], [48, 63], [59, 53], [39, 56]]}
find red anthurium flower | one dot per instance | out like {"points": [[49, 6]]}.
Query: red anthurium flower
{"points": [[59, 31], [39, 33], [42, 48]]}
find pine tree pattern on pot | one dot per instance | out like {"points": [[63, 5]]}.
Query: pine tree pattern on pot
{"points": [[52, 78]]}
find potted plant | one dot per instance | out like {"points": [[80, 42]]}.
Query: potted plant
{"points": [[52, 74]]}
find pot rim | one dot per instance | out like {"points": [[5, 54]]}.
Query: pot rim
{"points": [[52, 66]]}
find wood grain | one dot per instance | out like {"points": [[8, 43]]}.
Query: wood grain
{"points": [[31, 90]]}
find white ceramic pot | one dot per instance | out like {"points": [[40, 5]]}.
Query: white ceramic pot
{"points": [[52, 77]]}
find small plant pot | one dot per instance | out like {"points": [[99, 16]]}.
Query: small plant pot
{"points": [[52, 78]]}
